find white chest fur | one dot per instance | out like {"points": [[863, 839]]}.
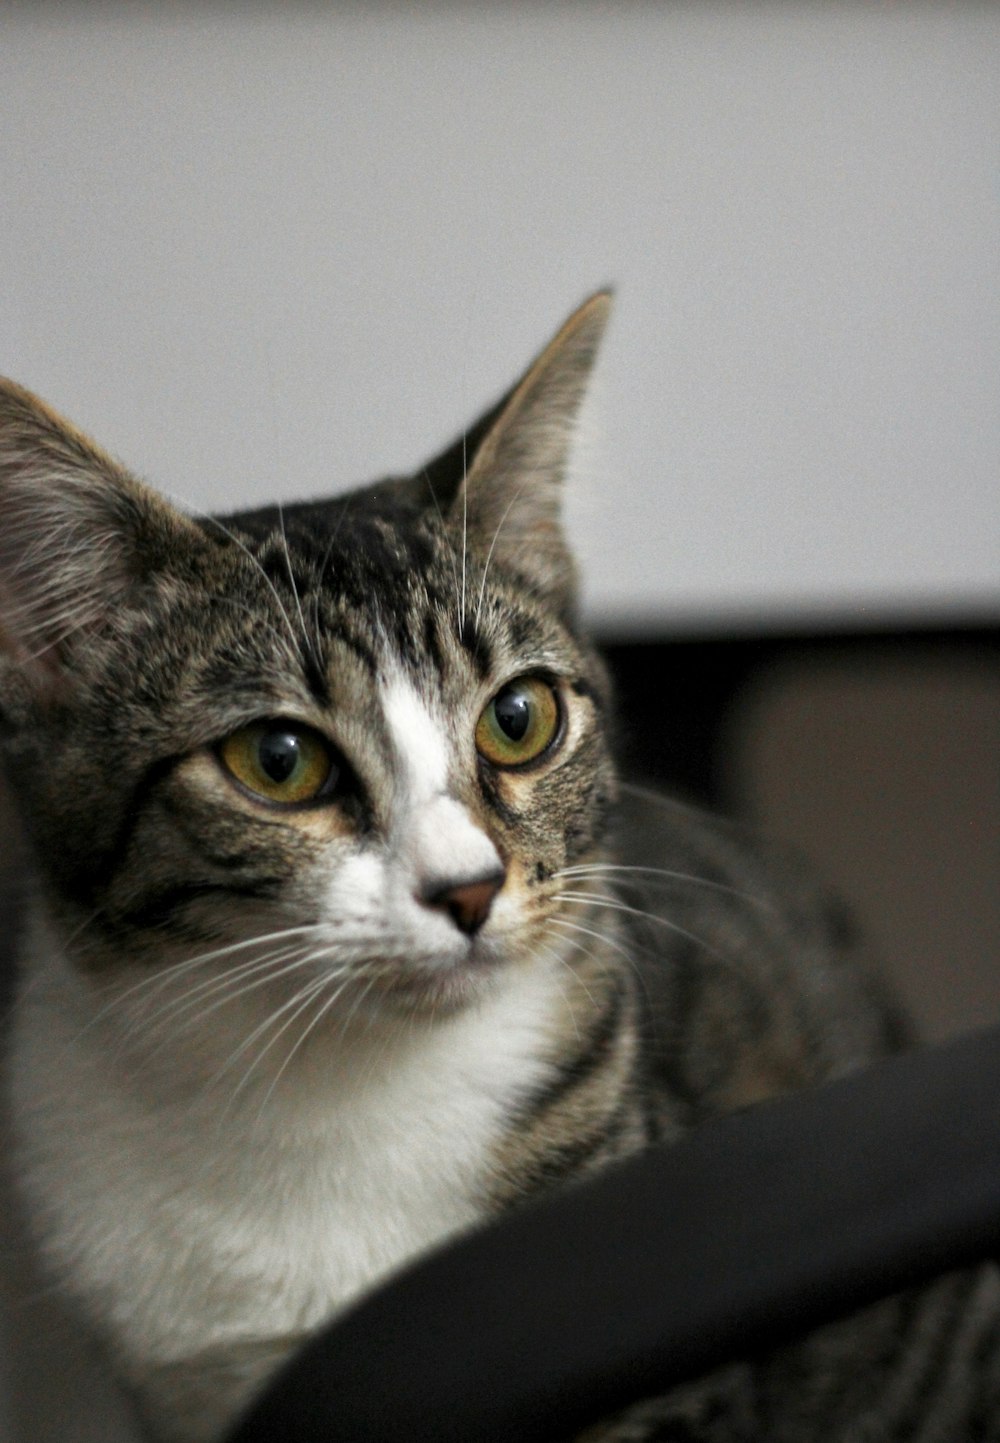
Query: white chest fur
{"points": [[182, 1225]]}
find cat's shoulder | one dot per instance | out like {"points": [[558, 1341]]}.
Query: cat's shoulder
{"points": [[756, 978]]}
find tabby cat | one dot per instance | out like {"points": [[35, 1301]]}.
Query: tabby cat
{"points": [[344, 935]]}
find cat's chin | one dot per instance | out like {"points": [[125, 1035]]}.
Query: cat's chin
{"points": [[439, 990]]}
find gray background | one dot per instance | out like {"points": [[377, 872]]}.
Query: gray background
{"points": [[269, 251]]}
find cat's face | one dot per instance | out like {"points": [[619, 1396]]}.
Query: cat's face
{"points": [[342, 750]]}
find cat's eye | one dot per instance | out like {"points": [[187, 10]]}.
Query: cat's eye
{"points": [[519, 724], [280, 761]]}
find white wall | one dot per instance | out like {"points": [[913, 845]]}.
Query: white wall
{"points": [[271, 251]]}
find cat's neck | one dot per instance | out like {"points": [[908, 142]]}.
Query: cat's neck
{"points": [[308, 1194], [259, 1210]]}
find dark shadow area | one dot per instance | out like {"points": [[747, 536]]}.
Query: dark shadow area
{"points": [[677, 698], [873, 754]]}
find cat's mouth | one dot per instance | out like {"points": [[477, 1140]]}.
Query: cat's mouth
{"points": [[441, 984]]}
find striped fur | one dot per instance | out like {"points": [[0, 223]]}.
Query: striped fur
{"points": [[264, 1054]]}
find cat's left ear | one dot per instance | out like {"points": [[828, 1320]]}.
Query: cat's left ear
{"points": [[509, 504]]}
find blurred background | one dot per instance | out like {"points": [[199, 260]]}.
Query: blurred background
{"points": [[270, 251]]}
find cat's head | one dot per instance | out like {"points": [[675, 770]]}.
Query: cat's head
{"points": [[364, 732]]}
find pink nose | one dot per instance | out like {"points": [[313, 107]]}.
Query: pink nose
{"points": [[467, 903]]}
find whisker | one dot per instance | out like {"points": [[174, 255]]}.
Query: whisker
{"points": [[564, 966], [321, 1012], [232, 536], [489, 554], [81, 927], [612, 942], [615, 943], [374, 974], [220, 599], [276, 965], [662, 874], [451, 549], [321, 573], [306, 637], [351, 962], [295, 1004], [344, 510], [465, 531], [163, 977], [591, 898], [311, 1026], [344, 973]]}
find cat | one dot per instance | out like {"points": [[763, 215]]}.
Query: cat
{"points": [[344, 934]]}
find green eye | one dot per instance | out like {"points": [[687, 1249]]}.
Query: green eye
{"points": [[519, 724], [280, 761]]}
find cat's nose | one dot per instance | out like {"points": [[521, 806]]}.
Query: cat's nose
{"points": [[467, 901]]}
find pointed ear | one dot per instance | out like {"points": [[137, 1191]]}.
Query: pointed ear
{"points": [[509, 503], [78, 535]]}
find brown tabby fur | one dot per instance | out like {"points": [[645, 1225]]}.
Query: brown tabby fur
{"points": [[692, 975]]}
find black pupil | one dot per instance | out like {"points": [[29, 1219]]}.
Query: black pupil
{"points": [[278, 754], [512, 710]]}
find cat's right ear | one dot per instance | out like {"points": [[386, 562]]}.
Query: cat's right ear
{"points": [[500, 486], [78, 536]]}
